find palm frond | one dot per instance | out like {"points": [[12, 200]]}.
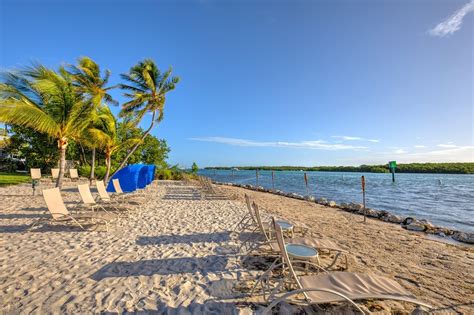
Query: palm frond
{"points": [[16, 112]]}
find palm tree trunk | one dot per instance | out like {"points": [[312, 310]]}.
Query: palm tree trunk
{"points": [[62, 144], [136, 145], [107, 172], [83, 155], [92, 167]]}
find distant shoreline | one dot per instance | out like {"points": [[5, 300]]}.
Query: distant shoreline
{"points": [[415, 168]]}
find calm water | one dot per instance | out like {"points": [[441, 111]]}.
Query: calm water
{"points": [[445, 200]]}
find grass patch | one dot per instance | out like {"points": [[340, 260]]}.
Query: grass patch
{"points": [[13, 178]]}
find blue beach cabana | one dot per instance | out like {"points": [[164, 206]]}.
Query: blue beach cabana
{"points": [[143, 177], [151, 173], [128, 177]]}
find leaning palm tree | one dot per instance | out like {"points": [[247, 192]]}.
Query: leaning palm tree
{"points": [[146, 88], [46, 101], [106, 137], [91, 84]]}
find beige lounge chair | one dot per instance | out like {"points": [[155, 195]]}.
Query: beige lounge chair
{"points": [[208, 191], [250, 241], [35, 173], [87, 198], [60, 213], [73, 175], [120, 193], [54, 173], [104, 195], [248, 220], [324, 246], [338, 287]]}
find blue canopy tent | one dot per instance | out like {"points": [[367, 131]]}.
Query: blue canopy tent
{"points": [[128, 177], [143, 177], [151, 173], [133, 177], [146, 176]]}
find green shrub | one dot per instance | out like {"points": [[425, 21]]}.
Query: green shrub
{"points": [[85, 171], [100, 172], [168, 174]]}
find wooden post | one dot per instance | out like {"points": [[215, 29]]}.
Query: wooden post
{"points": [[232, 175], [256, 176], [273, 180], [363, 197]]}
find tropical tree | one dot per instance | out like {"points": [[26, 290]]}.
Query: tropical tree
{"points": [[105, 134], [146, 88], [91, 84], [194, 168], [46, 101]]}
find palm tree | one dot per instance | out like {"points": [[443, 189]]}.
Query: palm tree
{"points": [[146, 88], [89, 81], [46, 101], [105, 135]]}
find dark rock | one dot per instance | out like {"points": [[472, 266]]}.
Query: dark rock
{"points": [[464, 237], [413, 224], [355, 206], [392, 218]]}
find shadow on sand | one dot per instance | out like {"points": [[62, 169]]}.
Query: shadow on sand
{"points": [[209, 307], [22, 216], [162, 267], [43, 228], [215, 237]]}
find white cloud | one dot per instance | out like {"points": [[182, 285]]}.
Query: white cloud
{"points": [[399, 151], [453, 149], [447, 145], [313, 144], [419, 146], [452, 23], [458, 154], [352, 138]]}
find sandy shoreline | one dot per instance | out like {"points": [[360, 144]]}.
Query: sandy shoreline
{"points": [[436, 272], [176, 255]]}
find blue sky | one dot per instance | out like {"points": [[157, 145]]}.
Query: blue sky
{"points": [[277, 82]]}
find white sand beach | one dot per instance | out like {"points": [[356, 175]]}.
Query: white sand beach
{"points": [[176, 256]]}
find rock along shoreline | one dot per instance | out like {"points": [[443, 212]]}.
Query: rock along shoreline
{"points": [[409, 223]]}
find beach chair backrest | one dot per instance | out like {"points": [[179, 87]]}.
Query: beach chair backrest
{"points": [[118, 188], [248, 202], [35, 173], [55, 172], [259, 221], [55, 203], [104, 195], [73, 173], [86, 195], [284, 254]]}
